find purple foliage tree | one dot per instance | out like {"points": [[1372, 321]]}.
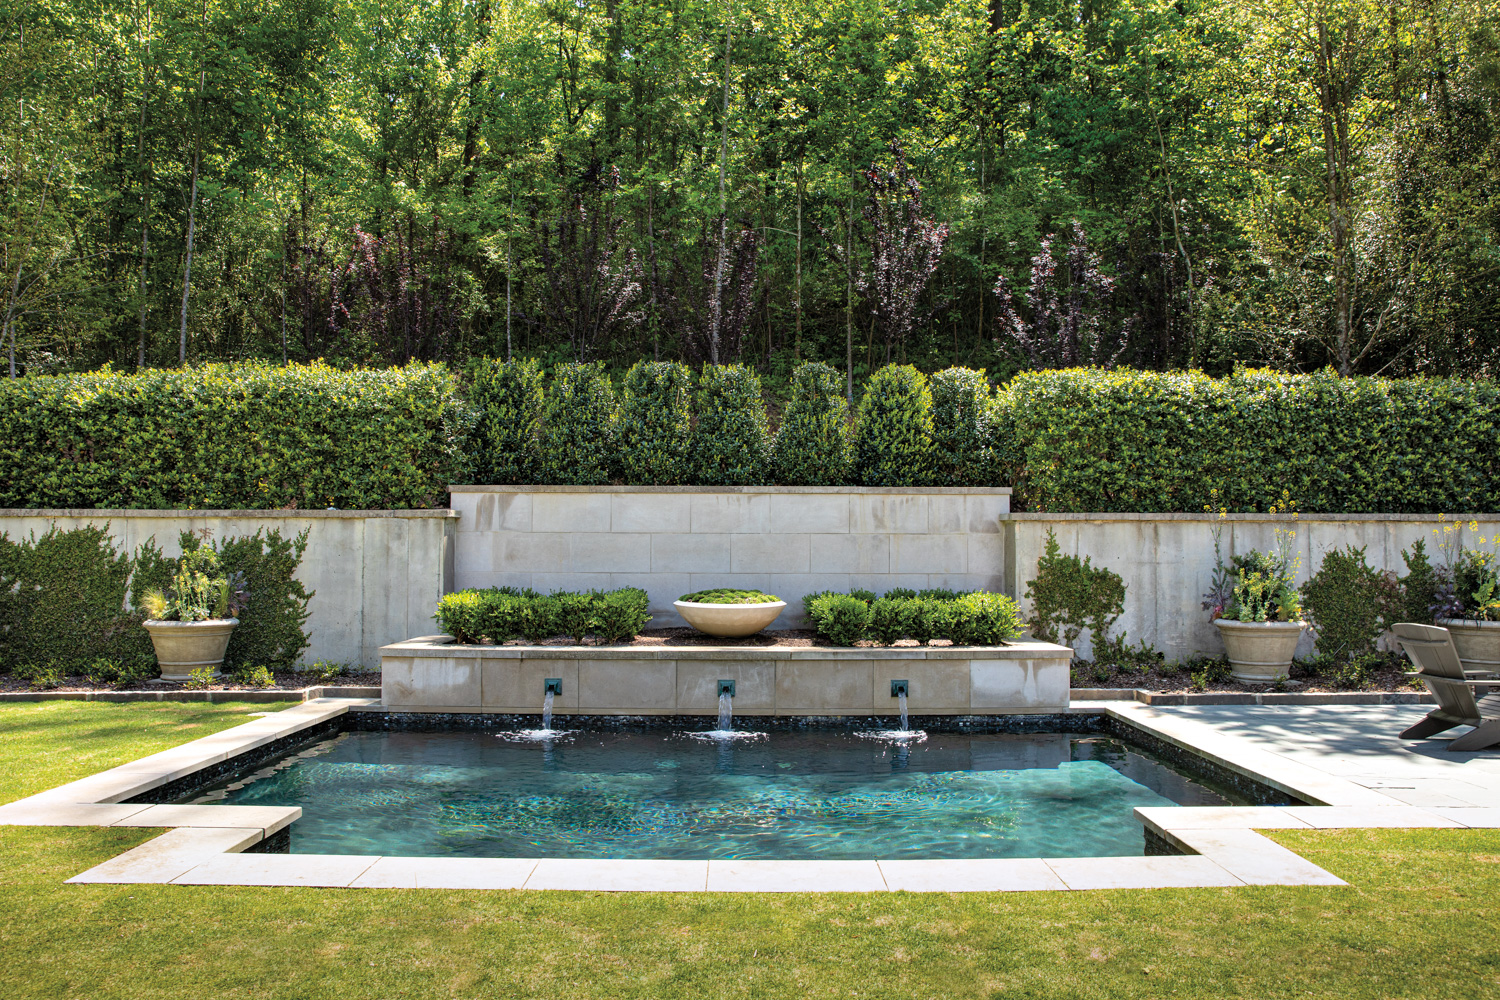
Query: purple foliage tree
{"points": [[710, 327], [591, 279], [905, 249], [1061, 326]]}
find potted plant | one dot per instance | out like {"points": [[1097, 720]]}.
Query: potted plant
{"points": [[729, 613], [191, 623], [1468, 606], [1260, 620]]}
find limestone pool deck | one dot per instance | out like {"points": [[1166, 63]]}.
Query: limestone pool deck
{"points": [[1347, 758]]}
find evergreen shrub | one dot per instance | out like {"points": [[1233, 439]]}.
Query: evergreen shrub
{"points": [[507, 396], [893, 430], [579, 423], [656, 423], [1349, 604], [812, 446], [731, 440], [1071, 594], [246, 435], [1095, 440], [961, 410], [842, 619], [497, 614]]}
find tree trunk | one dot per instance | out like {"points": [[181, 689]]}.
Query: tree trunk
{"points": [[187, 270]]}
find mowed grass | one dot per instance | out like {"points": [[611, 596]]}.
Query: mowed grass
{"points": [[1418, 921]]}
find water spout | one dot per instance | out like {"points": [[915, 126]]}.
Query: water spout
{"points": [[900, 704], [726, 712], [547, 711]]}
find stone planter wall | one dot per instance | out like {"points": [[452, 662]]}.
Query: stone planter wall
{"points": [[376, 575], [1167, 560], [429, 675], [669, 541]]}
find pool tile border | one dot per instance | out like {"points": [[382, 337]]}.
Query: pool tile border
{"points": [[208, 845]]}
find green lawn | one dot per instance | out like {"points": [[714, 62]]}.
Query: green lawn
{"points": [[1419, 921]]}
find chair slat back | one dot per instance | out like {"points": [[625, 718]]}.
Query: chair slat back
{"points": [[1432, 652]]}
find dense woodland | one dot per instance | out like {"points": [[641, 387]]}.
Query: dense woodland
{"points": [[1006, 185]]}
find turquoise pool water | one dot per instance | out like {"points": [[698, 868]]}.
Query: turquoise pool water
{"points": [[790, 795]]}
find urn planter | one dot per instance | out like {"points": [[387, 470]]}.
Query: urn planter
{"points": [[729, 620], [1259, 652], [182, 647], [1478, 643]]}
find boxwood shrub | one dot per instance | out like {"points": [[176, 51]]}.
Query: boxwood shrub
{"points": [[579, 422], [973, 619], [248, 435], [961, 409], [497, 614], [508, 398], [731, 440], [893, 430], [656, 423], [812, 446]]}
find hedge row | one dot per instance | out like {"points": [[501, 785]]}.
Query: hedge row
{"points": [[498, 614], [232, 436], [668, 425], [258, 436], [1093, 440]]}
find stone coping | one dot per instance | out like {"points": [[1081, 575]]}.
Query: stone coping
{"points": [[252, 695], [1212, 516], [444, 645], [204, 844], [998, 491], [126, 512], [1254, 697]]}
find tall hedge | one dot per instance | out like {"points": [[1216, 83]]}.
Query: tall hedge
{"points": [[579, 423], [893, 430], [812, 446], [248, 435], [1094, 440], [731, 441], [508, 398], [656, 423], [961, 410]]}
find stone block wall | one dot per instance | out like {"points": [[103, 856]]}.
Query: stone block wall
{"points": [[376, 575], [1167, 560], [669, 541]]}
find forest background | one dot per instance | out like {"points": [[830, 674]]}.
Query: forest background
{"points": [[1293, 183]]}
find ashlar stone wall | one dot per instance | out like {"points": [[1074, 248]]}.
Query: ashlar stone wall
{"points": [[669, 541]]}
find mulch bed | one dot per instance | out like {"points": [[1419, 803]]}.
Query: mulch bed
{"points": [[1387, 677], [285, 680]]}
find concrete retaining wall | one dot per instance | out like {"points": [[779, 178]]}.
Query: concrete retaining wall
{"points": [[429, 675], [1167, 560], [669, 541], [376, 575]]}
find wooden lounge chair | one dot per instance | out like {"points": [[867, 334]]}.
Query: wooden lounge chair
{"points": [[1433, 654]]}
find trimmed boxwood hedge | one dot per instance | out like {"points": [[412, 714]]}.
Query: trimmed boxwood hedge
{"points": [[1094, 440], [656, 423], [893, 430], [248, 435], [731, 440]]}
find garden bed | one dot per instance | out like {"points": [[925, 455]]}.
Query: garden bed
{"points": [[282, 680]]}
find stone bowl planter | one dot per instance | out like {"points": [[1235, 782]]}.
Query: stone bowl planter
{"points": [[182, 647], [1478, 643], [729, 620], [1259, 652]]}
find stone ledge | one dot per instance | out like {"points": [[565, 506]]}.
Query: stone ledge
{"points": [[443, 646], [1171, 698], [258, 696], [994, 491], [127, 512], [1302, 517]]}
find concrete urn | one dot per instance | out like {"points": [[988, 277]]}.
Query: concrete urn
{"points": [[1259, 652], [730, 621], [182, 647], [1478, 643]]}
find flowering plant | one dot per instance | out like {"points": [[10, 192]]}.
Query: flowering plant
{"points": [[1468, 582], [1257, 586]]}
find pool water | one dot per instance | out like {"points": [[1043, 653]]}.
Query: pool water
{"points": [[819, 794]]}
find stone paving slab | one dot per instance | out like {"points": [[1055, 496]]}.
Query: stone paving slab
{"points": [[335, 871], [619, 876], [446, 873], [1170, 872], [1252, 858], [30, 813], [795, 876], [171, 855], [971, 875], [269, 819]]}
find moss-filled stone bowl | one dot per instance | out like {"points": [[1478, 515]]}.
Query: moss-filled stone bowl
{"points": [[729, 621]]}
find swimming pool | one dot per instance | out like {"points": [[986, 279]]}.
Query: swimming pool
{"points": [[805, 794]]}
